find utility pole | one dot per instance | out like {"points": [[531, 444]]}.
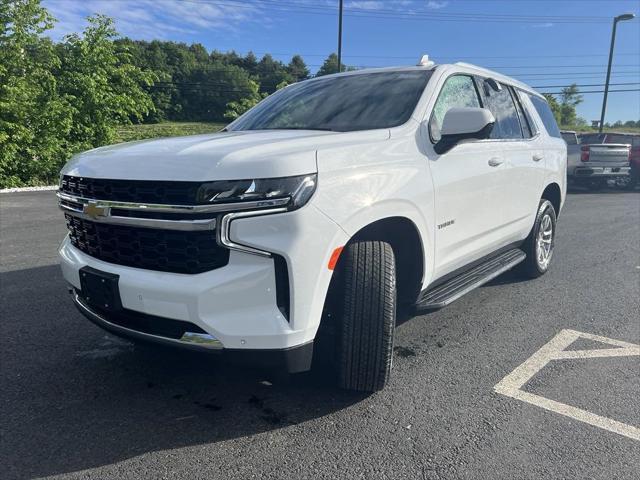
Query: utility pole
{"points": [[619, 18], [340, 38]]}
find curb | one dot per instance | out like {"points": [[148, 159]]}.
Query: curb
{"points": [[29, 189]]}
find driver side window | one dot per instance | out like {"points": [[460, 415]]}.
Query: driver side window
{"points": [[457, 91]]}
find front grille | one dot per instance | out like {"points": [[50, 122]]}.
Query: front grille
{"points": [[135, 191], [151, 249]]}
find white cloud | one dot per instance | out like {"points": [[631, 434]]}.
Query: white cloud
{"points": [[436, 5], [543, 25], [365, 5], [147, 19]]}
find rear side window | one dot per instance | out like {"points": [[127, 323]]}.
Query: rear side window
{"points": [[548, 120], [504, 110], [570, 138], [525, 121], [633, 140], [591, 138], [458, 91]]}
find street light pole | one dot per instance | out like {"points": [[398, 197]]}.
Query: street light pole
{"points": [[619, 18], [340, 38]]}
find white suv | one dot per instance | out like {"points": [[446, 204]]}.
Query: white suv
{"points": [[303, 226]]}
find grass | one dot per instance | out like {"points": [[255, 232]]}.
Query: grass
{"points": [[606, 130], [127, 133]]}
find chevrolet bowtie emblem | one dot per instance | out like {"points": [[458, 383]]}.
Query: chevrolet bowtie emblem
{"points": [[94, 210]]}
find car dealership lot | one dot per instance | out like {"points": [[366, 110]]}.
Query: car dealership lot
{"points": [[79, 403]]}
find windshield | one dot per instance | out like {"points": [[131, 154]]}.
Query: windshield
{"points": [[346, 103]]}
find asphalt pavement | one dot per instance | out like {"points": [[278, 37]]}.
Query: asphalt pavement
{"points": [[79, 403]]}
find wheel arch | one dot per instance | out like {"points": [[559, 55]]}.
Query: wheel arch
{"points": [[406, 241], [553, 193]]}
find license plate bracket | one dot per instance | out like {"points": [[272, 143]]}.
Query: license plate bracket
{"points": [[100, 289]]}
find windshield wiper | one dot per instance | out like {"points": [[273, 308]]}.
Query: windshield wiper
{"points": [[322, 129]]}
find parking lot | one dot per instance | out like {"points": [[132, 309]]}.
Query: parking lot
{"points": [[505, 383]]}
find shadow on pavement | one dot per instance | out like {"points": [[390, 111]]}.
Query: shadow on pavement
{"points": [[75, 397]]}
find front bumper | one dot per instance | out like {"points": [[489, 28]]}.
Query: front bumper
{"points": [[236, 304], [292, 360]]}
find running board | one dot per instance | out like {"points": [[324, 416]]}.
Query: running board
{"points": [[453, 289]]}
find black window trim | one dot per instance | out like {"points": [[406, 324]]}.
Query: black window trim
{"points": [[535, 129]]}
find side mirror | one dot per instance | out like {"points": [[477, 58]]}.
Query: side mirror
{"points": [[464, 123]]}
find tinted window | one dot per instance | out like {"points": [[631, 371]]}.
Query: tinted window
{"points": [[525, 121], [457, 92], [504, 110], [570, 138], [591, 138], [527, 107], [633, 140], [548, 120], [342, 103]]}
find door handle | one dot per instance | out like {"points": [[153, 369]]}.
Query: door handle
{"points": [[537, 157], [495, 161]]}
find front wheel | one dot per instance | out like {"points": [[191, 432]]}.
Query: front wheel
{"points": [[368, 316], [540, 243]]}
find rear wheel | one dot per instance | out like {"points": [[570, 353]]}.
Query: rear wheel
{"points": [[540, 243], [597, 184], [368, 315]]}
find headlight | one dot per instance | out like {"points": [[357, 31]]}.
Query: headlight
{"points": [[298, 190]]}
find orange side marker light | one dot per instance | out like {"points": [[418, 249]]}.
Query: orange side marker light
{"points": [[334, 258]]}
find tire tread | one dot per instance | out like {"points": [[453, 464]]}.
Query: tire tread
{"points": [[368, 316]]}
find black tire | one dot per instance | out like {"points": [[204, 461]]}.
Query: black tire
{"points": [[632, 180], [368, 316], [596, 185], [531, 267]]}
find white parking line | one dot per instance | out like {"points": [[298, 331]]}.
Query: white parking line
{"points": [[556, 350]]}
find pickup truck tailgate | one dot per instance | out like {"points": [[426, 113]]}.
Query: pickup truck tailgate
{"points": [[609, 153]]}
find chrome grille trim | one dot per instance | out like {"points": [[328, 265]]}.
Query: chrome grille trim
{"points": [[82, 207]]}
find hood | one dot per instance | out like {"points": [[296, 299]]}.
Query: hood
{"points": [[217, 156]]}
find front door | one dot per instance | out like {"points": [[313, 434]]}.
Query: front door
{"points": [[469, 185]]}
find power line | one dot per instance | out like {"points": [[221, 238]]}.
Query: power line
{"points": [[422, 15], [597, 91], [584, 85], [414, 57]]}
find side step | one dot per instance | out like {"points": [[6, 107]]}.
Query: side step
{"points": [[453, 289]]}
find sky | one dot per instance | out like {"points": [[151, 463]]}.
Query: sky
{"points": [[547, 44]]}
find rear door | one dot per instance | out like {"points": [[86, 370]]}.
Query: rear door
{"points": [[524, 159], [468, 185]]}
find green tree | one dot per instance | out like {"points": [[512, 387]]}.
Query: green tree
{"points": [[565, 110], [271, 73], [297, 68], [570, 98], [554, 106], [238, 107], [58, 99], [33, 119], [104, 88], [330, 66]]}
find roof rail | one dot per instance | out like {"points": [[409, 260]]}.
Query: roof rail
{"points": [[494, 73], [471, 65]]}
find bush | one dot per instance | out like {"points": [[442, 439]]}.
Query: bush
{"points": [[56, 100]]}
